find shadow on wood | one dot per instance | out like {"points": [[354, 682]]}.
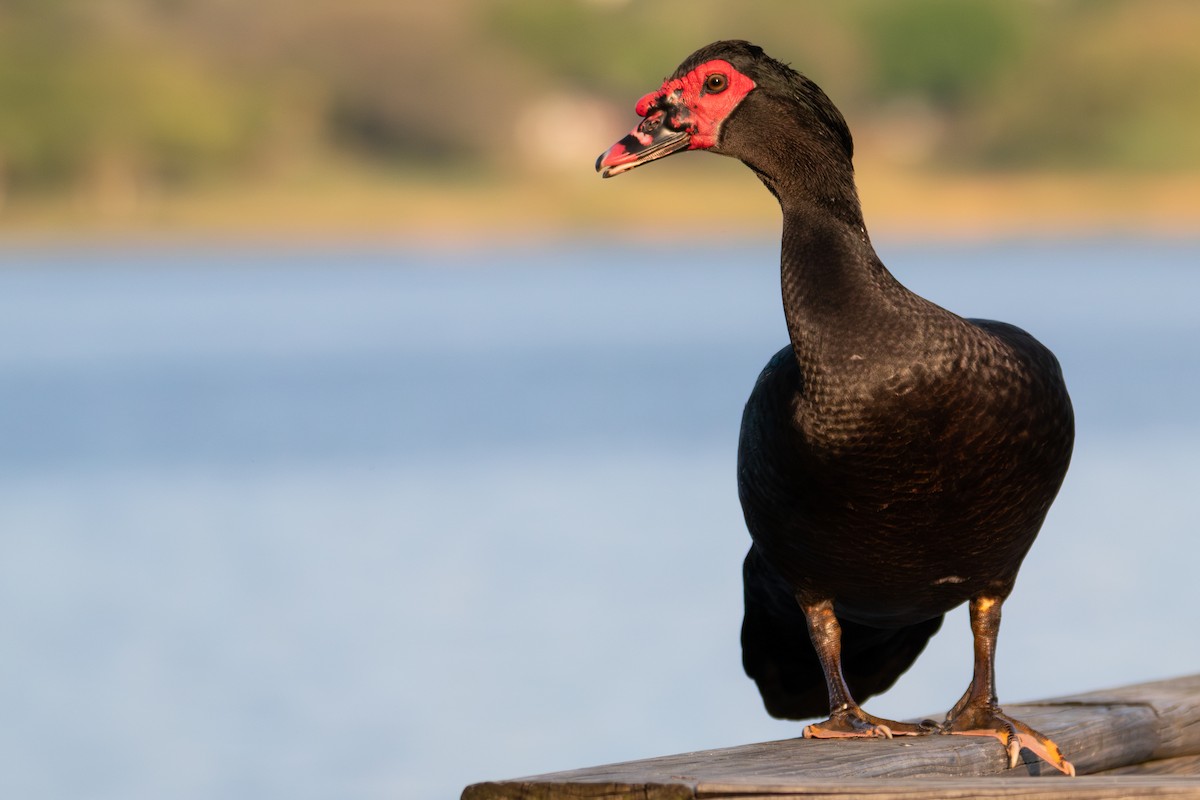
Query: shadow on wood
{"points": [[1136, 741]]}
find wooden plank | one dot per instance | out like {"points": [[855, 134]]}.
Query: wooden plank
{"points": [[1084, 788], [1182, 765], [1099, 731], [1090, 787], [1175, 702]]}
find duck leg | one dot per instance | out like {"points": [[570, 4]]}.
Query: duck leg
{"points": [[846, 719], [978, 712]]}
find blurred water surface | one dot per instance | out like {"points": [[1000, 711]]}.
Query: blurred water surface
{"points": [[381, 522]]}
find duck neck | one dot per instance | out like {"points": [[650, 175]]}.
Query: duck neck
{"points": [[837, 295]]}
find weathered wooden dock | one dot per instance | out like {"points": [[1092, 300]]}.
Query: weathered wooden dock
{"points": [[1135, 741]]}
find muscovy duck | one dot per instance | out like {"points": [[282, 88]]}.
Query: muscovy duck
{"points": [[895, 460]]}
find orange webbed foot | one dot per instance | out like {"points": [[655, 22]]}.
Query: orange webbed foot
{"points": [[1012, 733], [854, 723]]}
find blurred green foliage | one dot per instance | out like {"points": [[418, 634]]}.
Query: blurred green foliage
{"points": [[75, 104], [946, 51], [178, 92]]}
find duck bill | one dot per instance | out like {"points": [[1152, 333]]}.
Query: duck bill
{"points": [[651, 140]]}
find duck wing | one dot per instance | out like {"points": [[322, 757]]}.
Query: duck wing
{"points": [[778, 653]]}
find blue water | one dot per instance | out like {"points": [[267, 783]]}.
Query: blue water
{"points": [[381, 522]]}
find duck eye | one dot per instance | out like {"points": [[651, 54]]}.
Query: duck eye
{"points": [[715, 83]]}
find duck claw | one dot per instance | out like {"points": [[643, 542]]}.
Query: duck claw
{"points": [[1012, 733], [857, 724]]}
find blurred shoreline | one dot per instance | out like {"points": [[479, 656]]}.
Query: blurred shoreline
{"points": [[474, 121], [670, 202]]}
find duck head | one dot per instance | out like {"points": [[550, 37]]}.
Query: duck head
{"points": [[732, 98], [687, 113]]}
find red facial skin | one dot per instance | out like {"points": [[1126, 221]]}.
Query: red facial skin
{"points": [[685, 114], [706, 110]]}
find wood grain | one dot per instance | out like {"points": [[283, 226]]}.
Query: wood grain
{"points": [[1145, 739]]}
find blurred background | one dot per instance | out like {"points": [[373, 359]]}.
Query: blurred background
{"points": [[357, 440], [367, 115]]}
